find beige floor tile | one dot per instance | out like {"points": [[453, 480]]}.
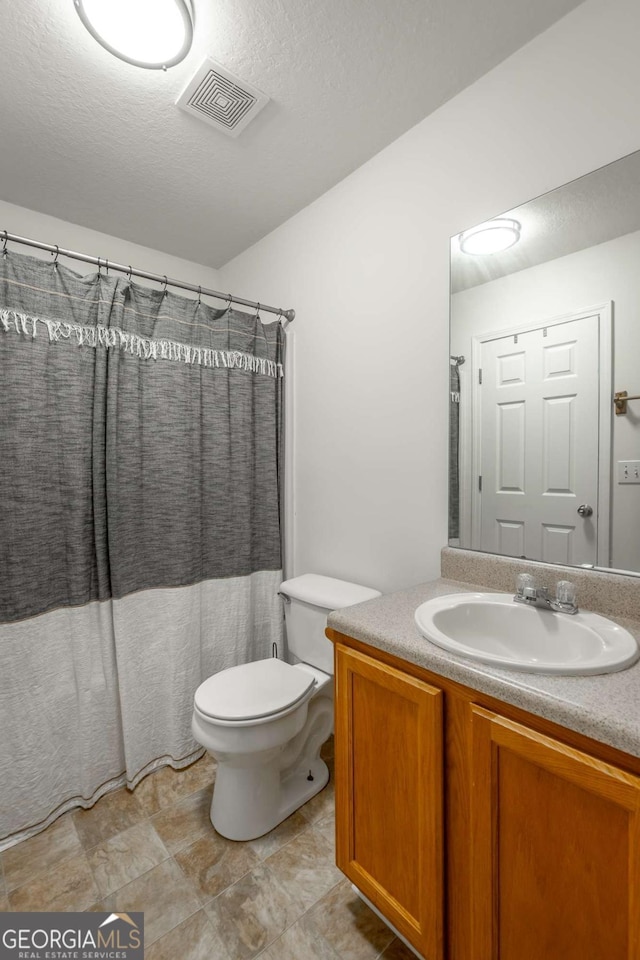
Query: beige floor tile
{"points": [[398, 951], [323, 804], [167, 786], [346, 922], [193, 939], [128, 855], [184, 822], [285, 831], [41, 853], [163, 894], [300, 942], [213, 863], [305, 868], [69, 886], [200, 774], [252, 913], [327, 827], [111, 815]]}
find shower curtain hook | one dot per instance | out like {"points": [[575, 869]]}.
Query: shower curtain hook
{"points": [[230, 299], [107, 265], [4, 245], [55, 258], [164, 287], [257, 315], [99, 268], [199, 296], [129, 272]]}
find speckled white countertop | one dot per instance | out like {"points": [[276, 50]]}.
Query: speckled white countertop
{"points": [[604, 707]]}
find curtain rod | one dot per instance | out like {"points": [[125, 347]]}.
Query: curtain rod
{"points": [[121, 268]]}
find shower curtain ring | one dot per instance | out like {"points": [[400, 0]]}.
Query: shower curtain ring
{"points": [[55, 258], [230, 299], [129, 272]]}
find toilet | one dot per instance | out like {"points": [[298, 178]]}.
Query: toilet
{"points": [[265, 722]]}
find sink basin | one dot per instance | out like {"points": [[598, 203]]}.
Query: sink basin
{"points": [[492, 628]]}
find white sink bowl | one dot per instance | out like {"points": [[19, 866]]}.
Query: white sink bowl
{"points": [[492, 628]]}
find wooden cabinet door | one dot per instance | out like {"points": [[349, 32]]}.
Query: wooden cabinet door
{"points": [[389, 794], [555, 849]]}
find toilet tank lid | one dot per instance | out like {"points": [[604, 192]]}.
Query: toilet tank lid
{"points": [[326, 592]]}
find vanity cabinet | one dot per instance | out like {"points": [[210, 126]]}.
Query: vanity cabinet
{"points": [[480, 831]]}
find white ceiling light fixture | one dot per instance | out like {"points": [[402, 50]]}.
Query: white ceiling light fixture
{"points": [[154, 34], [490, 237]]}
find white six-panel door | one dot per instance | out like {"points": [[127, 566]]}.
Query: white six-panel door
{"points": [[539, 410]]}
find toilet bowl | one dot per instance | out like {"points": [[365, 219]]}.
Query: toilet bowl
{"points": [[265, 722]]}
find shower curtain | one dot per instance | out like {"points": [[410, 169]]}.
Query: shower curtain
{"points": [[454, 451], [140, 440]]}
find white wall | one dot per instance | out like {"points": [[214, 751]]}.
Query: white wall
{"points": [[605, 272], [366, 268], [39, 226]]}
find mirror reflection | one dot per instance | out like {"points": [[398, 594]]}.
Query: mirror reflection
{"points": [[545, 338]]}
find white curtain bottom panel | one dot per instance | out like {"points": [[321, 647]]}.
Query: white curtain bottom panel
{"points": [[97, 696]]}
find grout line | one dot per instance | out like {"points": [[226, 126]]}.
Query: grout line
{"points": [[300, 918]]}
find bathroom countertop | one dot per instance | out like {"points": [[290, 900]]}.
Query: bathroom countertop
{"points": [[605, 707]]}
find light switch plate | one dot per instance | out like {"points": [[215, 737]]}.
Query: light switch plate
{"points": [[628, 471]]}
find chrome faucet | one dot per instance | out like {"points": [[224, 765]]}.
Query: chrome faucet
{"points": [[563, 602]]}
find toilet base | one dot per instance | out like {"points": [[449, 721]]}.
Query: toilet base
{"points": [[278, 797], [298, 789]]}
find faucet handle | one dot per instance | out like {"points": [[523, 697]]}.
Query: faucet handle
{"points": [[524, 584], [566, 592]]}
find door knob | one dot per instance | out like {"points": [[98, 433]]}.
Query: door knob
{"points": [[585, 510]]}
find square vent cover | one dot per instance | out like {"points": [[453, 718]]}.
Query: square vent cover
{"points": [[218, 98]]}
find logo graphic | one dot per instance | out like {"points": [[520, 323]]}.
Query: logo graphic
{"points": [[72, 936], [118, 916]]}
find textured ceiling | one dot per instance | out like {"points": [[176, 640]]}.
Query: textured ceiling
{"points": [[93, 140], [601, 206]]}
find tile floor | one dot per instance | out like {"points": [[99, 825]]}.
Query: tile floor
{"points": [[280, 897]]}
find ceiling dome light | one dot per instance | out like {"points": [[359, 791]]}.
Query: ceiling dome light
{"points": [[155, 34], [490, 237]]}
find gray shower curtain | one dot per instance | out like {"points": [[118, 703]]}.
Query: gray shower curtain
{"points": [[140, 448]]}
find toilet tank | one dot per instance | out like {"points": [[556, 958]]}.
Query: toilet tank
{"points": [[310, 598]]}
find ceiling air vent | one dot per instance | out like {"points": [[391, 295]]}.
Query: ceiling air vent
{"points": [[220, 99]]}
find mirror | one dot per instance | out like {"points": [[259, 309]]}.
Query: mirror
{"points": [[544, 463]]}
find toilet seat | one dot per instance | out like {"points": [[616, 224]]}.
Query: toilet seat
{"points": [[253, 691]]}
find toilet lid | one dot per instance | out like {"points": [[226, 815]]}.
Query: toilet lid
{"points": [[252, 690]]}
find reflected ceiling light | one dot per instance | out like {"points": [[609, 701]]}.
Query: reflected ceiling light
{"points": [[490, 237], [155, 34]]}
